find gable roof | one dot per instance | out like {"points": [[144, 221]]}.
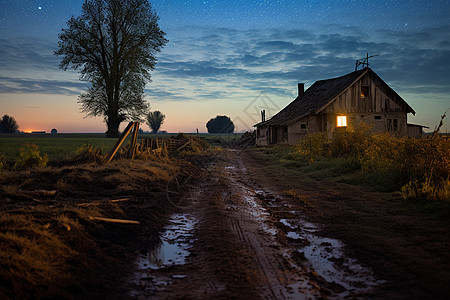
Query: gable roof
{"points": [[319, 95]]}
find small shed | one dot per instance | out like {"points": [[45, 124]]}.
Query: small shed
{"points": [[415, 130], [336, 104]]}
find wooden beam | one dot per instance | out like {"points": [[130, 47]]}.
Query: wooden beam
{"points": [[119, 142], [132, 149], [122, 221]]}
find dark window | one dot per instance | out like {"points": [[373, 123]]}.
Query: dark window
{"points": [[364, 92], [257, 133], [389, 124], [377, 117], [302, 126], [395, 124], [285, 129]]}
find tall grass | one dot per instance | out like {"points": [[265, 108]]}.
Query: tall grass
{"points": [[418, 167]]}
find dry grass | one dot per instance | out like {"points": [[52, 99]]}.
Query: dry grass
{"points": [[32, 252], [52, 246], [420, 167]]}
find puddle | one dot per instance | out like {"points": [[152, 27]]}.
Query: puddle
{"points": [[326, 257], [176, 240], [294, 235]]}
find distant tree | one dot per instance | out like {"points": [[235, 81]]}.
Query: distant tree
{"points": [[220, 124], [8, 124], [54, 131], [155, 120], [113, 45]]}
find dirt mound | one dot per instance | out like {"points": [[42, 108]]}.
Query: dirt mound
{"points": [[66, 231]]}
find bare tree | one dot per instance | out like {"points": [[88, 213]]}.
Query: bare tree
{"points": [[113, 45], [155, 120], [8, 124]]}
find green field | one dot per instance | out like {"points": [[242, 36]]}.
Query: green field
{"points": [[63, 146]]}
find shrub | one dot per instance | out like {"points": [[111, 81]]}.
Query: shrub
{"points": [[30, 156], [428, 167], [419, 167], [352, 142], [313, 146]]}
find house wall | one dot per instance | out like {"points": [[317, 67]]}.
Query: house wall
{"points": [[298, 130], [380, 108], [262, 136], [415, 131]]}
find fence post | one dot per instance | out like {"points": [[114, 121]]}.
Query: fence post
{"points": [[119, 142], [132, 149]]}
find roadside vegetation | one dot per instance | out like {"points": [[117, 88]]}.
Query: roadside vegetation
{"points": [[58, 222], [63, 147], [417, 168]]}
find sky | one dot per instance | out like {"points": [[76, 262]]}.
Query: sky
{"points": [[234, 58]]}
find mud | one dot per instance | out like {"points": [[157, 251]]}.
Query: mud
{"points": [[173, 249], [237, 240]]}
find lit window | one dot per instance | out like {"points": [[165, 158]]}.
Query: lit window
{"points": [[364, 91], [342, 121]]}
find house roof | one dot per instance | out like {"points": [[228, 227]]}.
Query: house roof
{"points": [[319, 95]]}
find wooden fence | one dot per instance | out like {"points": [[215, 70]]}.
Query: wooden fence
{"points": [[154, 145]]}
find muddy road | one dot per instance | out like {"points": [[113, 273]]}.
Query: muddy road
{"points": [[234, 239]]}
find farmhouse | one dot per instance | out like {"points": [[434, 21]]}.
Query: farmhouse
{"points": [[335, 105]]}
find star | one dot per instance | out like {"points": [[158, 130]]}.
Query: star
{"points": [[39, 7]]}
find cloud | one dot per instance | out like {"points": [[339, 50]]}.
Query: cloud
{"points": [[207, 63], [18, 85], [27, 54]]}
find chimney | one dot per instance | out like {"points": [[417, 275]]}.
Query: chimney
{"points": [[301, 89]]}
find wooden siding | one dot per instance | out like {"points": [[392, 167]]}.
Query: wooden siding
{"points": [[379, 99]]}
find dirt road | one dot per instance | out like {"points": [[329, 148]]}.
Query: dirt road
{"points": [[233, 239]]}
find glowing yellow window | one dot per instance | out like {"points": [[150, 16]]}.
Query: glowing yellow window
{"points": [[342, 121]]}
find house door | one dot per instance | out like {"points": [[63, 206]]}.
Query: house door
{"points": [[321, 121], [274, 134]]}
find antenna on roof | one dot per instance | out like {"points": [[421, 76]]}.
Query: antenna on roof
{"points": [[364, 62]]}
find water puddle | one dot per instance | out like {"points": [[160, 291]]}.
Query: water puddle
{"points": [[176, 241], [326, 257]]}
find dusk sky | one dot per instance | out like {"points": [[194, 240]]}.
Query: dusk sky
{"points": [[234, 58]]}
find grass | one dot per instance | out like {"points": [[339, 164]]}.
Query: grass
{"points": [[52, 248], [57, 147], [64, 146], [419, 168]]}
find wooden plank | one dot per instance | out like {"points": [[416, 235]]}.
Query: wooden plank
{"points": [[186, 144], [132, 149], [119, 142], [109, 220], [120, 200], [40, 193]]}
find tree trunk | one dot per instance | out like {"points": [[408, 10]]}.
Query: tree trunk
{"points": [[113, 128]]}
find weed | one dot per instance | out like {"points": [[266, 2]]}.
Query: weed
{"points": [[30, 156], [2, 162], [420, 168], [313, 146], [88, 153]]}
